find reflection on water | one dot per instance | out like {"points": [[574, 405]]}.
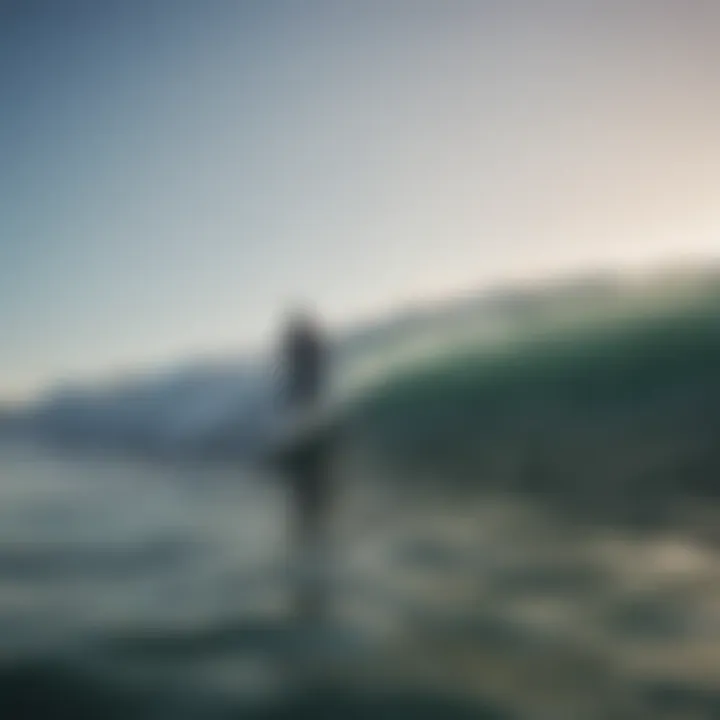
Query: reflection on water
{"points": [[131, 589]]}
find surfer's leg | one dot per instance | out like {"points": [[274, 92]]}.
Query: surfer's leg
{"points": [[311, 497]]}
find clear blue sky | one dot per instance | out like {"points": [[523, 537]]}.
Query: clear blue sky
{"points": [[173, 172]]}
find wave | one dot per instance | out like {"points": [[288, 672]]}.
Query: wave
{"points": [[546, 374], [618, 412]]}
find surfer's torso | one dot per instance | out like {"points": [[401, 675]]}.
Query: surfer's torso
{"points": [[305, 365]]}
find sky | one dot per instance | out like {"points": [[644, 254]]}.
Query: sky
{"points": [[175, 173]]}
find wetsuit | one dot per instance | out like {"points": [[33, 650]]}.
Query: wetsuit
{"points": [[307, 461]]}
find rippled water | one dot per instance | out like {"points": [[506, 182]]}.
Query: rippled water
{"points": [[138, 589]]}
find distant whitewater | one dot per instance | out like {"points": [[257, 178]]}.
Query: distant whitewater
{"points": [[209, 408]]}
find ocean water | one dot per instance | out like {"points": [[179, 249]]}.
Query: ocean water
{"points": [[137, 589], [131, 588], [524, 533]]}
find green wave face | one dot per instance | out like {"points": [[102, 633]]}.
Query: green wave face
{"points": [[607, 408]]}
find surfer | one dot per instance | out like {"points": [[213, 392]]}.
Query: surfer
{"points": [[305, 362], [306, 452]]}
